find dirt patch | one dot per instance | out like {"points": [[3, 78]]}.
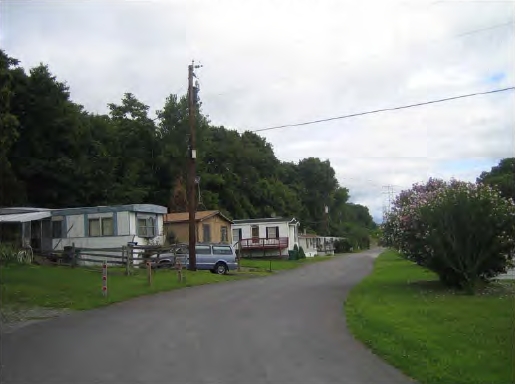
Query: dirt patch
{"points": [[13, 318]]}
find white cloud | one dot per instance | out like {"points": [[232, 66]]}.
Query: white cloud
{"points": [[270, 62]]}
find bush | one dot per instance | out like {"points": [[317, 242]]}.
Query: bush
{"points": [[342, 246], [294, 255], [462, 231], [302, 255], [8, 254]]}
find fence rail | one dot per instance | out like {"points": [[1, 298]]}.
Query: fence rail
{"points": [[128, 256]]}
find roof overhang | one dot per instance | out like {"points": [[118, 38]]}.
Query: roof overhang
{"points": [[24, 217]]}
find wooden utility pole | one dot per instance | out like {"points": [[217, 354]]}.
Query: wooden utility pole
{"points": [[192, 100], [326, 213]]}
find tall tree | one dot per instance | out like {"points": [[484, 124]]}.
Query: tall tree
{"points": [[56, 154], [501, 177], [11, 189], [47, 150]]}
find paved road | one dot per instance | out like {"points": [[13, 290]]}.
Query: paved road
{"points": [[287, 328]]}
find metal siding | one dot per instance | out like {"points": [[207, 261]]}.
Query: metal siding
{"points": [[147, 208], [86, 225]]}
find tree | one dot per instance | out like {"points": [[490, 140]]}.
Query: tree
{"points": [[48, 148], [53, 153], [464, 232], [11, 189], [502, 177]]}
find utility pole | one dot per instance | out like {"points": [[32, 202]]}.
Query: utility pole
{"points": [[326, 212], [192, 152]]}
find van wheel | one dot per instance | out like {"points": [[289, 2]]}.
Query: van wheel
{"points": [[221, 268]]}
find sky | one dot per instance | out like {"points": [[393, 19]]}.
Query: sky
{"points": [[268, 63]]}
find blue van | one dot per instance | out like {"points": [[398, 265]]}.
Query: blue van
{"points": [[217, 258]]}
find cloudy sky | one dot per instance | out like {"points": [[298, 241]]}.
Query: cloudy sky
{"points": [[268, 63]]}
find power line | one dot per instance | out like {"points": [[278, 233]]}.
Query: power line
{"points": [[383, 110]]}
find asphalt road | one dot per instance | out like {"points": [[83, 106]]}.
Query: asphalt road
{"points": [[286, 328]]}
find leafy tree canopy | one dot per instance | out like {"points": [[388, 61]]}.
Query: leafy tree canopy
{"points": [[53, 153]]}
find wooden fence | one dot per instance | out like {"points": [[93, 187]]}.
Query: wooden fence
{"points": [[125, 257]]}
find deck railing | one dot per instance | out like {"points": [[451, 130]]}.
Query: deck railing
{"points": [[260, 243]]}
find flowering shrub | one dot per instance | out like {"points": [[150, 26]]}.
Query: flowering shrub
{"points": [[464, 232]]}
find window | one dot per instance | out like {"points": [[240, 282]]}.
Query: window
{"points": [[57, 229], [255, 231], [107, 226], [224, 234], [236, 235], [94, 227], [272, 232], [221, 250], [203, 250], [146, 227], [103, 226], [206, 232]]}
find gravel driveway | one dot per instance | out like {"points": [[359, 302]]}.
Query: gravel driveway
{"points": [[286, 328]]}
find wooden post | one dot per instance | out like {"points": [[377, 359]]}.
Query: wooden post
{"points": [[104, 278], [125, 253], [74, 261], [131, 257], [149, 272], [179, 271], [238, 256]]}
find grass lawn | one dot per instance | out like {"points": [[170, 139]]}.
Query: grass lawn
{"points": [[278, 265], [433, 334], [80, 288]]}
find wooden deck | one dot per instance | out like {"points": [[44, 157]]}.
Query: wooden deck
{"points": [[264, 243]]}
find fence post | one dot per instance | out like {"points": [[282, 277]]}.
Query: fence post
{"points": [[74, 261], [131, 255], [179, 271], [239, 261], [125, 253], [149, 273], [104, 278]]}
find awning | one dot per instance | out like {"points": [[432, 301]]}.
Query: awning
{"points": [[24, 217]]}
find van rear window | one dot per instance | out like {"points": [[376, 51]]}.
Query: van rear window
{"points": [[221, 250], [203, 249]]}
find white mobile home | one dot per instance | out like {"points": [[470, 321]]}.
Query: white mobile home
{"points": [[268, 237], [107, 226], [309, 244]]}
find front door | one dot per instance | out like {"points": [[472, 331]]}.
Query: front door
{"points": [[236, 235], [255, 234], [46, 235]]}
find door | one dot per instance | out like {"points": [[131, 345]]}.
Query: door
{"points": [[206, 233], [236, 235], [46, 235], [35, 234], [255, 234]]}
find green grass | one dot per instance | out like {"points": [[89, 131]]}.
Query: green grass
{"points": [[433, 334], [80, 288], [278, 265]]}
